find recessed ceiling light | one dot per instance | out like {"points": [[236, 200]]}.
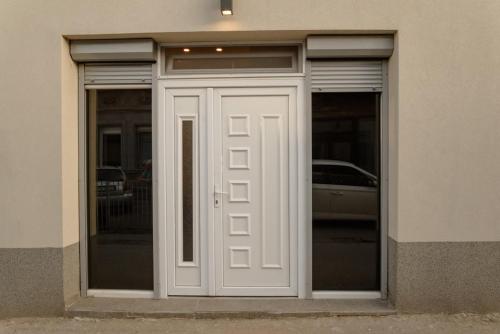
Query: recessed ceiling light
{"points": [[227, 12], [218, 49], [186, 50]]}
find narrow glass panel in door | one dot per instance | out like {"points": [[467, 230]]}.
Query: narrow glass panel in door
{"points": [[345, 191], [187, 190]]}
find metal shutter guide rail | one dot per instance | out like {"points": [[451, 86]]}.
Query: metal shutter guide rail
{"points": [[346, 76], [118, 74]]}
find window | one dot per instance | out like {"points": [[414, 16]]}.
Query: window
{"points": [[231, 59], [110, 146], [119, 189], [187, 190], [143, 142], [345, 192]]}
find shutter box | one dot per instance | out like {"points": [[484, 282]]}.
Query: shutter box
{"points": [[117, 50], [350, 46]]}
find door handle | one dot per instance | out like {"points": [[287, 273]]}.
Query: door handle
{"points": [[217, 194]]}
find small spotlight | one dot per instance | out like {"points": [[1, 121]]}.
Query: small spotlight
{"points": [[218, 49], [226, 7], [186, 50]]}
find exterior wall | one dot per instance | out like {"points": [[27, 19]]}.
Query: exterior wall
{"points": [[444, 79], [444, 276]]}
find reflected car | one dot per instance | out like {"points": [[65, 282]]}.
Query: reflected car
{"points": [[343, 191], [112, 186]]}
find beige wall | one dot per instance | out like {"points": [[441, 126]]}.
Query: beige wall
{"points": [[445, 116], [69, 145]]}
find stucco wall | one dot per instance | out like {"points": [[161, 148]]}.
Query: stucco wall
{"points": [[446, 113]]}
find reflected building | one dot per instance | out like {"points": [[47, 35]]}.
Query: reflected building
{"points": [[120, 189]]}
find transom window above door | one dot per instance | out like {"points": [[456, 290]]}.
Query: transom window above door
{"points": [[230, 59]]}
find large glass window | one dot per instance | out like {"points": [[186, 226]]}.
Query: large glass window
{"points": [[120, 217], [345, 191]]}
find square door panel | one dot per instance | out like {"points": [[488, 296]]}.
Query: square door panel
{"points": [[239, 125], [239, 158], [239, 224], [239, 191], [240, 257]]}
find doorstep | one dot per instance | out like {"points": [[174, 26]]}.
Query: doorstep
{"points": [[224, 307]]}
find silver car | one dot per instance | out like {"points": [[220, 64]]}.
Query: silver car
{"points": [[343, 191]]}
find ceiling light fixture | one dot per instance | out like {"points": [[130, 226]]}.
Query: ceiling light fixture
{"points": [[218, 49], [226, 7], [186, 50]]}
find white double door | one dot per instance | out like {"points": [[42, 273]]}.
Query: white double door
{"points": [[230, 223]]}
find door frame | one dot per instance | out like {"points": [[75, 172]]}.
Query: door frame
{"points": [[297, 171]]}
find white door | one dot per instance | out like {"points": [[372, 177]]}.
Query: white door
{"points": [[229, 191], [252, 222]]}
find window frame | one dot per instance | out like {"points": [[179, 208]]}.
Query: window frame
{"points": [[383, 184], [297, 68], [83, 90]]}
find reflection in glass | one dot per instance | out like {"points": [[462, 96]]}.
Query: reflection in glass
{"points": [[120, 243], [232, 63], [345, 192], [187, 191]]}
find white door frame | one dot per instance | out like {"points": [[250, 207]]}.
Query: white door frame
{"points": [[297, 172]]}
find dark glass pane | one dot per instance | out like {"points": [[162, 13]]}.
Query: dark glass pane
{"points": [[230, 63], [120, 238], [187, 190], [144, 146], [111, 147], [345, 173]]}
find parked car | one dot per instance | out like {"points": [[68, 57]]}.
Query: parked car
{"points": [[343, 191], [112, 187]]}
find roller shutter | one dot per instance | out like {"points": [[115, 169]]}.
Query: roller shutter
{"points": [[353, 76], [96, 74]]}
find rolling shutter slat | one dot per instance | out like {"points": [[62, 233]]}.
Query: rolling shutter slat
{"points": [[118, 74], [338, 76]]}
